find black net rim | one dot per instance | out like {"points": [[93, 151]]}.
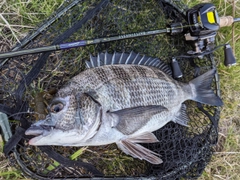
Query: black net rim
{"points": [[214, 119]]}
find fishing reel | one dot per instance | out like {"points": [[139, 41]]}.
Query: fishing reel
{"points": [[200, 31], [203, 22]]}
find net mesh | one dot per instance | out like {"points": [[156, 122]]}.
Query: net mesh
{"points": [[28, 83]]}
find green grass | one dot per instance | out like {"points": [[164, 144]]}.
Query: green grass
{"points": [[6, 171], [18, 17]]}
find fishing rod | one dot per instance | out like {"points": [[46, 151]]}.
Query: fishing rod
{"points": [[80, 43], [202, 25]]}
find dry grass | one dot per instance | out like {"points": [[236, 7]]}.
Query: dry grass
{"points": [[17, 17]]}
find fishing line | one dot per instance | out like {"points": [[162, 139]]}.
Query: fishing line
{"points": [[24, 113]]}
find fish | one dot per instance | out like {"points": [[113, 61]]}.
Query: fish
{"points": [[120, 98]]}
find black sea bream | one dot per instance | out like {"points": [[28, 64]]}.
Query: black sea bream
{"points": [[121, 98]]}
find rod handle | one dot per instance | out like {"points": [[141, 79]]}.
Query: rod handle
{"points": [[226, 21]]}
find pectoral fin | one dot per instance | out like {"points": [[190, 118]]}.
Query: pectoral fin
{"points": [[132, 119], [130, 147]]}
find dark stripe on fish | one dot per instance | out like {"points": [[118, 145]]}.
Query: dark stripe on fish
{"points": [[120, 72], [161, 75], [100, 73], [141, 71]]}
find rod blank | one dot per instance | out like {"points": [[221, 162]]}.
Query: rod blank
{"points": [[79, 43]]}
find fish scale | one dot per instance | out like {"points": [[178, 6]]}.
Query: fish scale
{"points": [[147, 93], [120, 103]]}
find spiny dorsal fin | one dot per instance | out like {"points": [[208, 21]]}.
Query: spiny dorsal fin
{"points": [[127, 58]]}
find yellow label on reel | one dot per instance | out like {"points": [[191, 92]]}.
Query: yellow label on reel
{"points": [[211, 17]]}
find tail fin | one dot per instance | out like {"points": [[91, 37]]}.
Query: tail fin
{"points": [[204, 93]]}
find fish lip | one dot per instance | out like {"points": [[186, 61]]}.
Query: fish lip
{"points": [[39, 130], [34, 141]]}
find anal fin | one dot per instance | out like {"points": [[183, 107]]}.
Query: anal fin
{"points": [[130, 147], [182, 117]]}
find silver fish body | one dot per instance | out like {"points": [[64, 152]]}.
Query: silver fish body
{"points": [[122, 104]]}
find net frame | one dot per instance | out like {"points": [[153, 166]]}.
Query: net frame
{"points": [[39, 63]]}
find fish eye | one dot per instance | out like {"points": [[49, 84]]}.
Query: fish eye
{"points": [[55, 108]]}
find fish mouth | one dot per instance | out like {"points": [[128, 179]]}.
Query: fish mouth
{"points": [[39, 130]]}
